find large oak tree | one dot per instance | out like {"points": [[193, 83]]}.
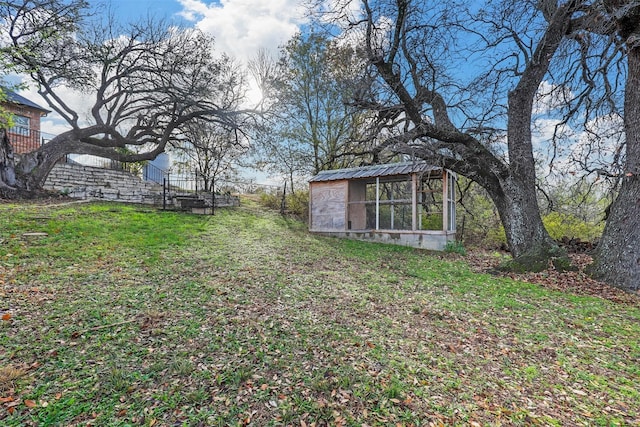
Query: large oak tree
{"points": [[143, 84]]}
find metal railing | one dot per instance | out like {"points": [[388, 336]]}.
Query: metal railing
{"points": [[152, 173], [135, 168], [186, 190]]}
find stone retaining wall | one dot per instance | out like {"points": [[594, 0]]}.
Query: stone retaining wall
{"points": [[86, 182]]}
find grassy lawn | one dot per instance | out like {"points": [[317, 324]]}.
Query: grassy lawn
{"points": [[122, 315]]}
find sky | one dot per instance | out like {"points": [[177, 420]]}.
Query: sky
{"points": [[240, 27]]}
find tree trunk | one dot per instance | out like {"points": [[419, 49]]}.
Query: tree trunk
{"points": [[24, 176], [33, 168], [7, 172], [7, 167], [617, 259], [529, 242]]}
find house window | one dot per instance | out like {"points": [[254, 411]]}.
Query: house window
{"points": [[21, 125]]}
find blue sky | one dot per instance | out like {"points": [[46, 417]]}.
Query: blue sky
{"points": [[134, 10], [126, 9]]}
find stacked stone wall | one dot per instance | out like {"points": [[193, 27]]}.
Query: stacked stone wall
{"points": [[86, 182]]}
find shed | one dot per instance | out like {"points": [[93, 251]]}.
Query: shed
{"points": [[409, 203]]}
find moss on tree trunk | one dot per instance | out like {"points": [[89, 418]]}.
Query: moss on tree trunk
{"points": [[537, 259]]}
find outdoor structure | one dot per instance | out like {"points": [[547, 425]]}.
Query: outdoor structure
{"points": [[25, 135], [411, 204]]}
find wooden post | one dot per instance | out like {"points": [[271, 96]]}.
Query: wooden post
{"points": [[414, 202], [377, 203], [164, 193], [445, 200], [283, 202], [392, 207], [213, 195]]}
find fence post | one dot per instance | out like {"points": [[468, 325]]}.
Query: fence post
{"points": [[213, 196], [164, 194], [283, 203]]}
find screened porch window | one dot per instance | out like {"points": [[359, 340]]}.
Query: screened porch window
{"points": [[389, 203], [451, 201], [393, 205], [430, 206]]}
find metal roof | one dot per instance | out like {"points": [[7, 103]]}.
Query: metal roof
{"points": [[21, 100], [373, 171]]}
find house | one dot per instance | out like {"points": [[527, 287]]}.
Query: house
{"points": [[410, 203], [25, 135]]}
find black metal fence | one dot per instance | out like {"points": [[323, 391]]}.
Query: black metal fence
{"points": [[104, 163]]}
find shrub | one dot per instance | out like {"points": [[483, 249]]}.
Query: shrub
{"points": [[560, 225], [295, 203], [270, 200], [298, 204], [478, 222], [455, 247]]}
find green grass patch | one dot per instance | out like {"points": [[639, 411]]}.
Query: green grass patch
{"points": [[123, 315]]}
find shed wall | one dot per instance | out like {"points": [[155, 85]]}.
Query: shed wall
{"points": [[328, 206]]}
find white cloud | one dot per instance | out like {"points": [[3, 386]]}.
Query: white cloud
{"points": [[53, 123], [545, 130], [242, 27], [595, 146], [551, 97], [599, 144]]}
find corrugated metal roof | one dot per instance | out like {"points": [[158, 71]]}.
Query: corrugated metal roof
{"points": [[21, 100], [373, 171]]}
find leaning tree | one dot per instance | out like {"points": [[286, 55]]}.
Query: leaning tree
{"points": [[142, 84], [461, 86]]}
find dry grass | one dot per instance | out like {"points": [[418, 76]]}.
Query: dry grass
{"points": [[8, 374]]}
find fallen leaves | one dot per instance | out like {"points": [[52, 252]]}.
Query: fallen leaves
{"points": [[11, 403], [577, 282]]}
